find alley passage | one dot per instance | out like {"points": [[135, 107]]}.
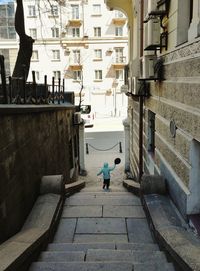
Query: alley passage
{"points": [[104, 231]]}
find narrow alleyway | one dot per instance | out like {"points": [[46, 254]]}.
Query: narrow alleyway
{"points": [[102, 230]]}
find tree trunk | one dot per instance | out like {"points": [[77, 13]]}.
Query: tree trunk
{"points": [[22, 64]]}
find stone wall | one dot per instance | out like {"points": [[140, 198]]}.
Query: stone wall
{"points": [[34, 141]]}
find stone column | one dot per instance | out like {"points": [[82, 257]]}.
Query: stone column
{"points": [[194, 29], [82, 170], [127, 144]]}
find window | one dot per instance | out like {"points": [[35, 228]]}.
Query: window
{"points": [[54, 10], [98, 54], [75, 32], [55, 32], [119, 31], [33, 33], [119, 58], [56, 74], [34, 56], [98, 75], [96, 9], [77, 75], [194, 184], [11, 33], [37, 76], [118, 14], [97, 31], [55, 54], [75, 12], [31, 11], [119, 74], [76, 56], [183, 20], [151, 132], [193, 31]]}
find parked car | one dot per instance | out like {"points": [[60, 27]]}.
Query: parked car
{"points": [[87, 115]]}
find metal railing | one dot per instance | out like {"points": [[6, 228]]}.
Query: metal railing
{"points": [[18, 91]]}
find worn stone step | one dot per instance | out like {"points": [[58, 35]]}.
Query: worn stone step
{"points": [[103, 200], [56, 266], [101, 255], [60, 256], [98, 255], [79, 246], [86, 246], [157, 266], [103, 266]]}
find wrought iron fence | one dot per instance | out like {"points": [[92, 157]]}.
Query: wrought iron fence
{"points": [[18, 91]]}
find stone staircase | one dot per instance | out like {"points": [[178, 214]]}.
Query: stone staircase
{"points": [[103, 231]]}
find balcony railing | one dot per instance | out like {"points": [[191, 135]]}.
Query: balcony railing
{"points": [[119, 62]]}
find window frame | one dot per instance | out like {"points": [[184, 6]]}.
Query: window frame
{"points": [[31, 11], [98, 75], [55, 55], [35, 55], [57, 75], [97, 31], [75, 15], [96, 56], [76, 34], [55, 32], [96, 11], [119, 29]]}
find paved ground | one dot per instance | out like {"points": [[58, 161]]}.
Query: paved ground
{"points": [[95, 159]]}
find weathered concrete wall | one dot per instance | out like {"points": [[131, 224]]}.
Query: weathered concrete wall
{"points": [[34, 141]]}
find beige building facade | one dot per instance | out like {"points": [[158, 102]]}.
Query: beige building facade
{"points": [[163, 89]]}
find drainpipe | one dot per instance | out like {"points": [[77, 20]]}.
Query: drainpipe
{"points": [[141, 99]]}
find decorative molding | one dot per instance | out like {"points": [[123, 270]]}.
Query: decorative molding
{"points": [[191, 50]]}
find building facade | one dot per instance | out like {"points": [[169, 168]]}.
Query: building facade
{"points": [[82, 43], [163, 88]]}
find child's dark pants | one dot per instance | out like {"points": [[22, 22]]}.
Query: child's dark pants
{"points": [[106, 183]]}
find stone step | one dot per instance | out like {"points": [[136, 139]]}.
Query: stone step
{"points": [[103, 266], [157, 266], [62, 256], [103, 200], [102, 255], [83, 266], [105, 255], [85, 246]]}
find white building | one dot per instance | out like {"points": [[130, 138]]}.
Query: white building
{"points": [[83, 43]]}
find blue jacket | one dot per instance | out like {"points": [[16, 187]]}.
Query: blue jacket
{"points": [[105, 170]]}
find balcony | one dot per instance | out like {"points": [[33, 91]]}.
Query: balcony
{"points": [[119, 21], [74, 66], [74, 22], [119, 62]]}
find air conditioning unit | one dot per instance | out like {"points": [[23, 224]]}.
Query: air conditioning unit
{"points": [[148, 64], [138, 86], [124, 89], [152, 34], [152, 6], [77, 118], [67, 52]]}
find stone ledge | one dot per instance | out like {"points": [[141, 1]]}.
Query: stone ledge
{"points": [[172, 232], [74, 187], [24, 109], [18, 251], [132, 186]]}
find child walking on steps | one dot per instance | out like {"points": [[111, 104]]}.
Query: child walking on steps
{"points": [[105, 170]]}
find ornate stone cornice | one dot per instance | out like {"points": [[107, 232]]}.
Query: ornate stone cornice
{"points": [[188, 51]]}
